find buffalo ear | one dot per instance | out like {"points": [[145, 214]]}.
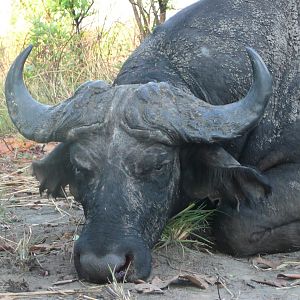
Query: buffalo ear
{"points": [[54, 171], [217, 175]]}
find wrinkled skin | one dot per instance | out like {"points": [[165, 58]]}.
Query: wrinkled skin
{"points": [[126, 174], [118, 184], [163, 134]]}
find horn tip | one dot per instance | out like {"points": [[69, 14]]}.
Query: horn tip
{"points": [[27, 50], [253, 55], [259, 66]]}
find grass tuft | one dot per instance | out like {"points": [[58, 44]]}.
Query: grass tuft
{"points": [[23, 248], [184, 228], [116, 288]]}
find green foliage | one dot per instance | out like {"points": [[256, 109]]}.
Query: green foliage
{"points": [[59, 48], [55, 21], [76, 8], [61, 58], [49, 24], [44, 33]]}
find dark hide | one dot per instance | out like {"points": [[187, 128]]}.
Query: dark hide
{"points": [[215, 174], [266, 226], [189, 117], [55, 171]]}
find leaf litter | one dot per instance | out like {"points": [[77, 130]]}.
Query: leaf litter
{"points": [[157, 285], [18, 187], [283, 280]]}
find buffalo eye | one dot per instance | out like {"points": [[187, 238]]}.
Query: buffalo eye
{"points": [[81, 174], [159, 167], [151, 167], [77, 171]]}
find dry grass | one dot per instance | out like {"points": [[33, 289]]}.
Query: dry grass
{"points": [[18, 189], [6, 52], [18, 182], [116, 289], [78, 293], [54, 71], [23, 247]]}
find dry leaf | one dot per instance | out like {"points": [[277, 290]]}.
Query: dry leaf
{"points": [[285, 264], [67, 236], [288, 276], [157, 285], [139, 281], [200, 281], [148, 288], [162, 284], [264, 264], [8, 145], [12, 145]]}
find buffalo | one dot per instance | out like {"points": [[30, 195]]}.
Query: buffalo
{"points": [[206, 108]]}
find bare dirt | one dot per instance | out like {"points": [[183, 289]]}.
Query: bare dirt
{"points": [[37, 236]]}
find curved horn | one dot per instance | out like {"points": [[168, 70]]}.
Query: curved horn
{"points": [[34, 120], [234, 119], [194, 120]]}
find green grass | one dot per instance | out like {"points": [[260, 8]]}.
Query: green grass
{"points": [[184, 228]]}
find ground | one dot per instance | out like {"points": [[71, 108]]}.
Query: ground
{"points": [[37, 236]]}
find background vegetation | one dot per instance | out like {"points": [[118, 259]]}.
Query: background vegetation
{"points": [[66, 51]]}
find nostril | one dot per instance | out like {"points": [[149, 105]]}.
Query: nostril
{"points": [[123, 271]]}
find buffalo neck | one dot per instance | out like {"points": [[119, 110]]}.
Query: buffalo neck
{"points": [[137, 70]]}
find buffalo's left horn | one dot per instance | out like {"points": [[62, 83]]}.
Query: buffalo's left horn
{"points": [[34, 120]]}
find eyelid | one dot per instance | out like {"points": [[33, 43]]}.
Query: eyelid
{"points": [[143, 169], [166, 161]]}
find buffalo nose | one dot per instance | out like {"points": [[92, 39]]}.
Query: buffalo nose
{"points": [[99, 270]]}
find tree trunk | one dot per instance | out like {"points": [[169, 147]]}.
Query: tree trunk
{"points": [[149, 17], [163, 5]]}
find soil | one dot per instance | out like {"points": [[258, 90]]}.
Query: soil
{"points": [[37, 236]]}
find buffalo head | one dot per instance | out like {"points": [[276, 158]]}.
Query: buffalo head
{"points": [[120, 154]]}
